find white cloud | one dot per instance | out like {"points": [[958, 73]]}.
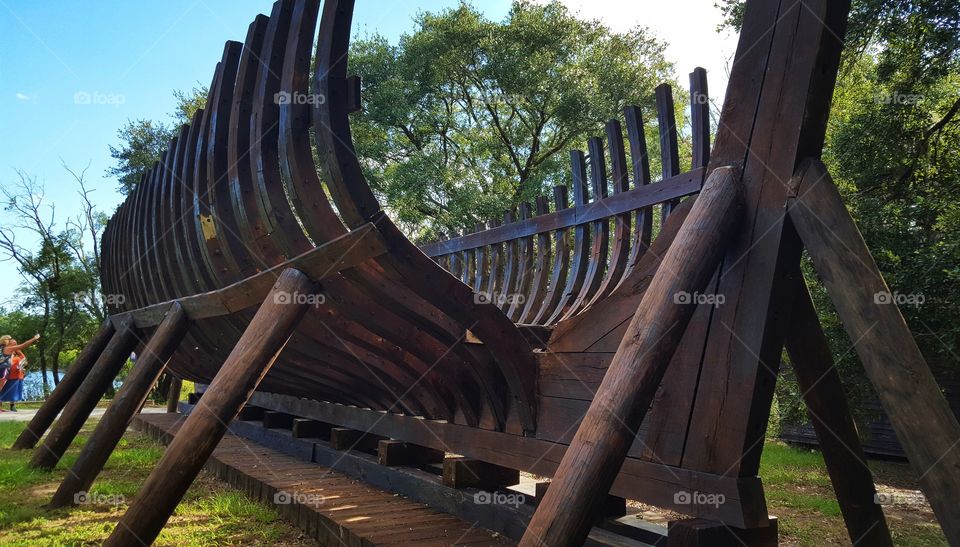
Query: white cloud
{"points": [[689, 27], [22, 97]]}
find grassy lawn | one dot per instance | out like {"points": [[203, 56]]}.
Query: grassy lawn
{"points": [[799, 493], [211, 513], [797, 487]]}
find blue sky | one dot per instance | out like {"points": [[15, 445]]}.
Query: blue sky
{"points": [[126, 57]]}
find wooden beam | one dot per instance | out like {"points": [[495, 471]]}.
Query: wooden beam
{"points": [[122, 409], [392, 453], [836, 431], [251, 358], [326, 260], [921, 417], [672, 188], [460, 472], [591, 463], [83, 402], [706, 533], [64, 391], [173, 395]]}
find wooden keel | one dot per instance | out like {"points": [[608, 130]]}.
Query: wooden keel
{"points": [[65, 389], [921, 417], [94, 385], [251, 358], [836, 431], [125, 405], [596, 454]]}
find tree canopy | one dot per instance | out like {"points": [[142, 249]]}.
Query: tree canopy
{"points": [[466, 117]]}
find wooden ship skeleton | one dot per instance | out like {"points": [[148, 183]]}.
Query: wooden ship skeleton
{"points": [[255, 258]]}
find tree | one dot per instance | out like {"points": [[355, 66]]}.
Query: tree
{"points": [[466, 117], [52, 274], [143, 142]]}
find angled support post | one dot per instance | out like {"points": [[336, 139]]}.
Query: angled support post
{"points": [[173, 396], [593, 459], [908, 391], [836, 431], [65, 389], [125, 405], [83, 402], [254, 354]]}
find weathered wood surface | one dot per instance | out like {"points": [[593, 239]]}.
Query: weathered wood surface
{"points": [[590, 465], [925, 425], [66, 389], [329, 506], [249, 361], [123, 407], [85, 399]]}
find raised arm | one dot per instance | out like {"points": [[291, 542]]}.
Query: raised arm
{"points": [[11, 349]]}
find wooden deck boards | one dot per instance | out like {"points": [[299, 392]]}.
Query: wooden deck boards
{"points": [[331, 507]]}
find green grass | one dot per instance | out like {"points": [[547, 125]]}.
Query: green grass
{"points": [[211, 513], [800, 495]]}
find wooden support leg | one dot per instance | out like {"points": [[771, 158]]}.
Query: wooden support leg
{"points": [[460, 472], [836, 431], [83, 402], [124, 406], [65, 389], [173, 396], [925, 425], [236, 381], [596, 454]]}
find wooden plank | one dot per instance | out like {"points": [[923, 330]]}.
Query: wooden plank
{"points": [[540, 276], [924, 422], [391, 452], [600, 241], [460, 472], [558, 276], [784, 77], [673, 188], [577, 269], [669, 149], [589, 467]]}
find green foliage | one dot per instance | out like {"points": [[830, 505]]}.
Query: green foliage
{"points": [[143, 142], [466, 117]]}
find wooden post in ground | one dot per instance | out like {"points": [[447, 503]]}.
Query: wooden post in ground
{"points": [[921, 417], [173, 395], [836, 431], [65, 389], [83, 402], [251, 358], [593, 459], [125, 405]]}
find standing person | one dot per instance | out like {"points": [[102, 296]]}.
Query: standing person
{"points": [[8, 348], [12, 391]]}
